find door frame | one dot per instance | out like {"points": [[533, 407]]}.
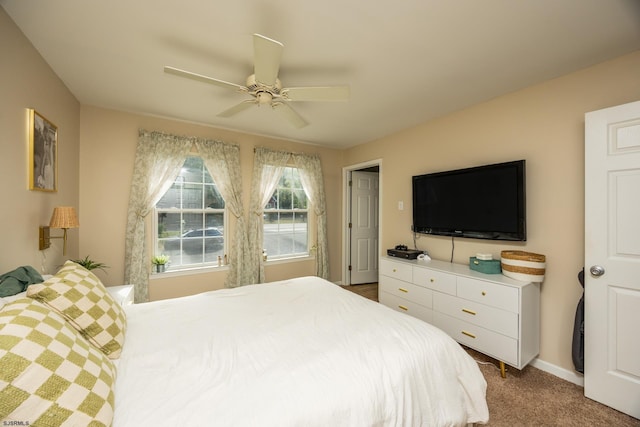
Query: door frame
{"points": [[346, 212]]}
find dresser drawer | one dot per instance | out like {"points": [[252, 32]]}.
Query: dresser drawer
{"points": [[405, 290], [405, 306], [436, 280], [492, 294], [491, 318], [488, 342], [396, 269]]}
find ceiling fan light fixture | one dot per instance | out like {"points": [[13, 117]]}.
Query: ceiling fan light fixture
{"points": [[264, 97], [254, 86]]}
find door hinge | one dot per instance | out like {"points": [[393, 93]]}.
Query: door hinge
{"points": [[349, 268], [350, 225], [350, 183]]}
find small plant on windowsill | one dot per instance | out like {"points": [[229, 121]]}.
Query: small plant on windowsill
{"points": [[89, 264], [160, 261]]}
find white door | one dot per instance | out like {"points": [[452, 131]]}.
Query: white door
{"points": [[612, 257], [364, 227]]}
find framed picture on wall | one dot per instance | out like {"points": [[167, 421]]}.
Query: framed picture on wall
{"points": [[43, 153]]}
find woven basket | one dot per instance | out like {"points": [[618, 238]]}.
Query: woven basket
{"points": [[524, 266]]}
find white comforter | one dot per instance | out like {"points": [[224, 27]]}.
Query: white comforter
{"points": [[300, 352]]}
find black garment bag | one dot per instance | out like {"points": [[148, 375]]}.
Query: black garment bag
{"points": [[577, 347]]}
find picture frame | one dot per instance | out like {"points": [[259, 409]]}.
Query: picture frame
{"points": [[43, 153]]}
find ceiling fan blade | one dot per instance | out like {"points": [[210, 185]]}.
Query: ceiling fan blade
{"points": [[290, 114], [323, 93], [238, 108], [201, 78], [266, 57]]}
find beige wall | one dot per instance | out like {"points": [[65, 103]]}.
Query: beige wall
{"points": [[108, 142], [26, 81], [543, 124]]}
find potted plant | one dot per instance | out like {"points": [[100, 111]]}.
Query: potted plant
{"points": [[89, 264], [160, 261]]}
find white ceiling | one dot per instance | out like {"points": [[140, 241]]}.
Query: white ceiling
{"points": [[406, 61]]}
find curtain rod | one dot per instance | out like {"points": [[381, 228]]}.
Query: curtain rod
{"points": [[283, 151]]}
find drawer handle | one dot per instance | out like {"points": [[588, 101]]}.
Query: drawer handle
{"points": [[402, 307], [394, 270], [466, 310], [432, 280], [484, 293], [469, 334], [403, 290]]}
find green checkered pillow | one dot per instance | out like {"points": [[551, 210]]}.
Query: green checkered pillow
{"points": [[49, 374], [82, 299]]}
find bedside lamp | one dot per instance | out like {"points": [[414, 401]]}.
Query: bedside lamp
{"points": [[63, 217]]}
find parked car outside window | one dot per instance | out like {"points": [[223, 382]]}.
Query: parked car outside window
{"points": [[193, 241]]}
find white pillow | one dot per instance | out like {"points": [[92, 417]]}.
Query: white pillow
{"points": [[7, 300]]}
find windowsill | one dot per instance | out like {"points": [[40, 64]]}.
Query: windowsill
{"points": [[187, 272], [215, 269], [290, 259]]}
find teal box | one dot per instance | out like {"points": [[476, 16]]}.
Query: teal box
{"points": [[491, 266]]}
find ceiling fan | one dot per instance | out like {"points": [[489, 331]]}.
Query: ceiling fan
{"points": [[265, 88]]}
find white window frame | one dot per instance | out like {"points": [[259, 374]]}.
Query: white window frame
{"points": [[194, 266], [307, 211]]}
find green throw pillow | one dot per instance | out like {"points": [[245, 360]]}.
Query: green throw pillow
{"points": [[81, 298], [49, 374], [17, 280]]}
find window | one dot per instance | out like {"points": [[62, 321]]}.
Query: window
{"points": [[286, 218], [190, 218]]}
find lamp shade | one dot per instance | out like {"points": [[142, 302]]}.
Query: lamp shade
{"points": [[64, 217]]}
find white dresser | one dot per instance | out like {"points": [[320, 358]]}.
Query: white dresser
{"points": [[490, 313]]}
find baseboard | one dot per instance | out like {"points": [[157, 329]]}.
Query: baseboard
{"points": [[571, 376]]}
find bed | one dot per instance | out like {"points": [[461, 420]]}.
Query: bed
{"points": [[299, 352]]}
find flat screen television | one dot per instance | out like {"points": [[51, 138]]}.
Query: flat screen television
{"points": [[483, 202]]}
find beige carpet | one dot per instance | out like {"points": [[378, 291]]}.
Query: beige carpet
{"points": [[532, 397]]}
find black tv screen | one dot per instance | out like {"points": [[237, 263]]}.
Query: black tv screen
{"points": [[483, 202]]}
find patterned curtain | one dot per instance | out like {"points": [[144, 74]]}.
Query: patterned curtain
{"points": [[158, 160], [159, 157], [223, 162], [268, 166], [313, 184]]}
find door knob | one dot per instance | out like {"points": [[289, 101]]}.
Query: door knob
{"points": [[596, 270]]}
